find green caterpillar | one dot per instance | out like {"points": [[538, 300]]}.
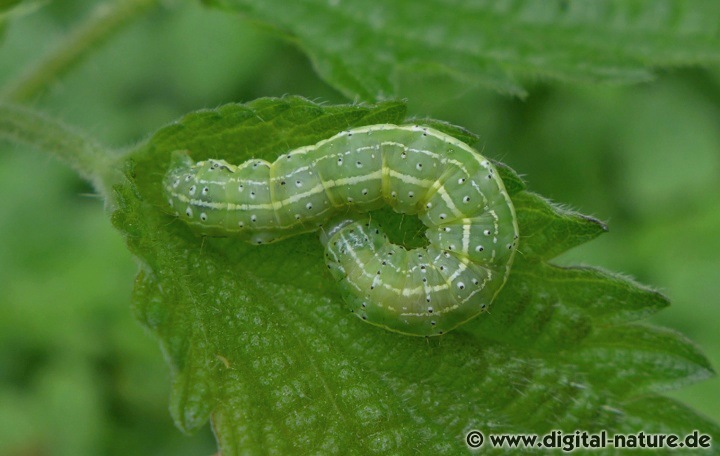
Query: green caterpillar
{"points": [[455, 191]]}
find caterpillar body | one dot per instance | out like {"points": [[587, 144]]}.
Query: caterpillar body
{"points": [[328, 187]]}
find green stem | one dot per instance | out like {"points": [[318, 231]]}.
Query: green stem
{"points": [[102, 23], [91, 160]]}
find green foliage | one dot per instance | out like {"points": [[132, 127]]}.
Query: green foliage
{"points": [[258, 339], [5, 7], [78, 376], [368, 48]]}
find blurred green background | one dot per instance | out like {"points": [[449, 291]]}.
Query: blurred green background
{"points": [[78, 376]]}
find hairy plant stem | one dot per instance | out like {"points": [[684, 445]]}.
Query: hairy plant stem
{"points": [[91, 160], [103, 22]]}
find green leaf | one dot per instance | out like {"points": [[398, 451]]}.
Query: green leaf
{"points": [[668, 416], [367, 49], [258, 338], [663, 359], [557, 229]]}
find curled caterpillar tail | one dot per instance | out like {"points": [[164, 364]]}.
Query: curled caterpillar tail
{"points": [[455, 191], [424, 291]]}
